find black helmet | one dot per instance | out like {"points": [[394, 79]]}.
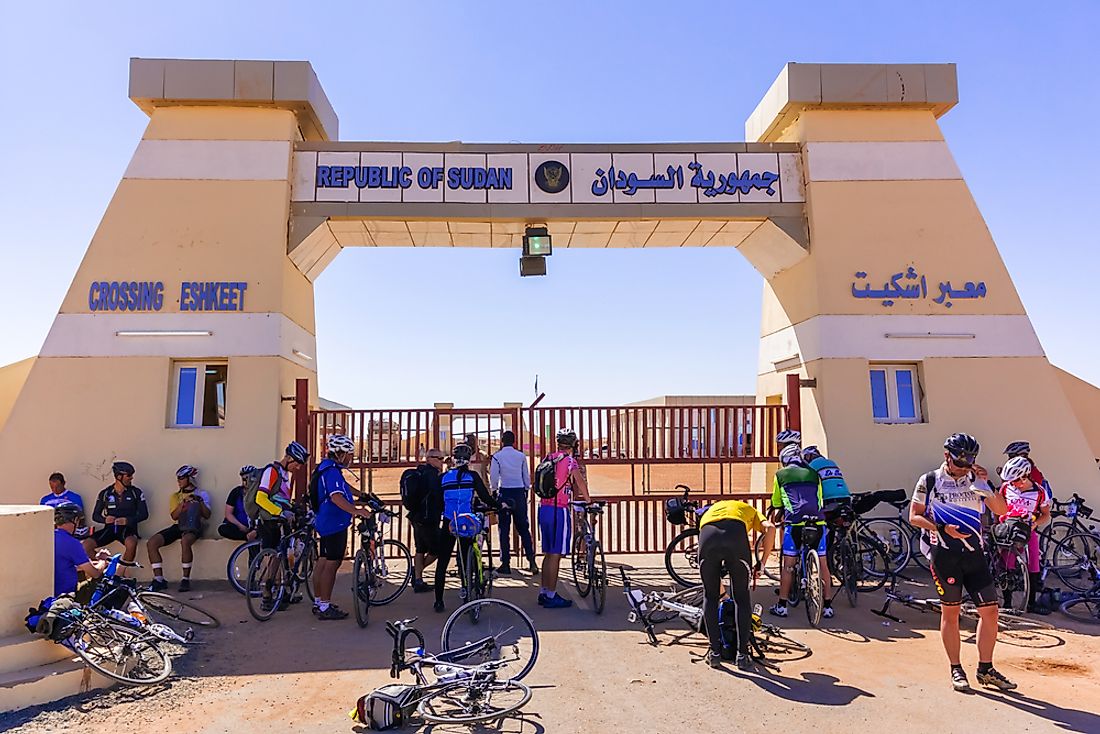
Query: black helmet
{"points": [[1018, 448], [963, 448], [462, 453], [67, 512], [122, 467]]}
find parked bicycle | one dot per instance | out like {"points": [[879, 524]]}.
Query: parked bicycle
{"points": [[589, 566], [857, 557], [1074, 560], [476, 681], [240, 560], [1067, 518], [1008, 540], [682, 552], [276, 576], [658, 607], [383, 566], [475, 576]]}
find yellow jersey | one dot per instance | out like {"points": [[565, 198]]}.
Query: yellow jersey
{"points": [[734, 510]]}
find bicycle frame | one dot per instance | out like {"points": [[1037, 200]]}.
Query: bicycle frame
{"points": [[111, 585], [479, 558]]}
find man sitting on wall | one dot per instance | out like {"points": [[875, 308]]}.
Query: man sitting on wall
{"points": [[235, 526], [189, 507], [120, 507]]}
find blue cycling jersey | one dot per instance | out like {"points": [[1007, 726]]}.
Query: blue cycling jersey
{"points": [[833, 486]]}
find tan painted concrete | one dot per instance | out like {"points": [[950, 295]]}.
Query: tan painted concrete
{"points": [[1084, 399], [26, 544], [12, 379]]}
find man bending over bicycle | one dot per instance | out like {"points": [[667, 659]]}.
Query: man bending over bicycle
{"points": [[948, 502], [460, 524], [724, 548], [796, 492], [273, 508]]}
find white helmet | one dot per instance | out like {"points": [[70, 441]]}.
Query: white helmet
{"points": [[791, 454], [1015, 468], [338, 443], [785, 437]]}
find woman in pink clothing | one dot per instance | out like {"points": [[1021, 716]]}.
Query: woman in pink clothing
{"points": [[1027, 501], [555, 517]]}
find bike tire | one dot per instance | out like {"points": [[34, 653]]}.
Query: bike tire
{"points": [[455, 703], [169, 606], [894, 537], [578, 559], [473, 583], [236, 568], [917, 556], [682, 558], [1075, 560], [852, 572], [871, 565], [1083, 609], [362, 587], [765, 566], [815, 587], [597, 573], [304, 565], [121, 653], [393, 572], [267, 562], [509, 626]]}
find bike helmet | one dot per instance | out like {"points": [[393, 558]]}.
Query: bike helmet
{"points": [[1015, 468], [462, 453], [122, 467], [567, 437], [1016, 448], [186, 471], [339, 443], [962, 447], [67, 512], [247, 469], [787, 437], [791, 455], [297, 452], [810, 453]]}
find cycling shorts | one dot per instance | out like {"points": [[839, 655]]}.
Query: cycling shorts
{"points": [[555, 529], [334, 547], [426, 537], [954, 571], [111, 533], [792, 536], [174, 533], [270, 532]]}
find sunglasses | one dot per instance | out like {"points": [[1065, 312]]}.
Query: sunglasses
{"points": [[965, 461], [130, 476]]}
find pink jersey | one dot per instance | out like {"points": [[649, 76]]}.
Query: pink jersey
{"points": [[562, 470], [1023, 503]]}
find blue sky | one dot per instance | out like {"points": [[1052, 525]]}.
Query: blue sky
{"points": [[410, 327]]}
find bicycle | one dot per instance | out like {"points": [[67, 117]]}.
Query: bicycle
{"points": [[1058, 529], [283, 571], [383, 566], [856, 557], [682, 552], [902, 540], [128, 655], [1008, 620], [1074, 560], [475, 578], [589, 566], [1085, 607], [236, 569], [464, 692], [1012, 582], [122, 604], [658, 607]]}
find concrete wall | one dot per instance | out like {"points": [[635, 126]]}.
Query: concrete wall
{"points": [[1084, 399], [26, 545]]}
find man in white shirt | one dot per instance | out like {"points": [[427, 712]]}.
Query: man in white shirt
{"points": [[509, 477]]}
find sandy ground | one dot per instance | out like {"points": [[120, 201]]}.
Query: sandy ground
{"points": [[597, 673]]}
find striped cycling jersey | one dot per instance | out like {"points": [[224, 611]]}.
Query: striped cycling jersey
{"points": [[797, 489]]}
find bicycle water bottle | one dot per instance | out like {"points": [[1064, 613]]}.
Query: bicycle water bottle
{"points": [[118, 616]]}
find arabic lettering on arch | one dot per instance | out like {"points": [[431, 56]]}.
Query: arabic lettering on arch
{"points": [[893, 290]]}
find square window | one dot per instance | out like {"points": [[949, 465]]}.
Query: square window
{"points": [[895, 394], [198, 394]]}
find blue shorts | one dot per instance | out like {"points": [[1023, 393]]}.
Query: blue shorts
{"points": [[789, 546], [555, 529]]}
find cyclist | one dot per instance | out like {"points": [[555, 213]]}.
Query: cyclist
{"points": [[334, 510], [1023, 448], [555, 519], [461, 486], [422, 496], [120, 507], [1028, 502], [189, 507], [724, 548], [273, 502], [948, 502], [787, 438], [59, 495], [236, 525], [69, 555], [796, 493]]}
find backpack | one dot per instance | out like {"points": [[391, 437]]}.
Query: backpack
{"points": [[251, 484], [388, 707], [458, 508], [546, 480], [314, 492], [413, 492]]}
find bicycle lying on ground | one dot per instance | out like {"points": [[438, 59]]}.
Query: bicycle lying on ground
{"points": [[134, 656], [276, 575], [476, 681], [1085, 606], [658, 607], [682, 552], [383, 566], [589, 566]]}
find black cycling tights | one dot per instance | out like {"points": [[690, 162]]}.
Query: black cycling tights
{"points": [[724, 548], [446, 550]]}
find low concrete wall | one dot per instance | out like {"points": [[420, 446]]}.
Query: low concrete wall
{"points": [[26, 552]]}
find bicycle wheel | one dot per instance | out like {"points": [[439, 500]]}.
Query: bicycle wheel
{"points": [[852, 572], [472, 702], [304, 565], [682, 558], [393, 571], [266, 574], [894, 538], [1075, 560], [872, 564], [814, 587], [513, 633], [770, 569], [122, 653], [169, 606], [916, 555], [775, 640], [474, 577], [597, 575], [578, 559], [1084, 609], [236, 570], [362, 586]]}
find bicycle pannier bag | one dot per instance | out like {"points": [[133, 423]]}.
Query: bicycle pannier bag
{"points": [[388, 707]]}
